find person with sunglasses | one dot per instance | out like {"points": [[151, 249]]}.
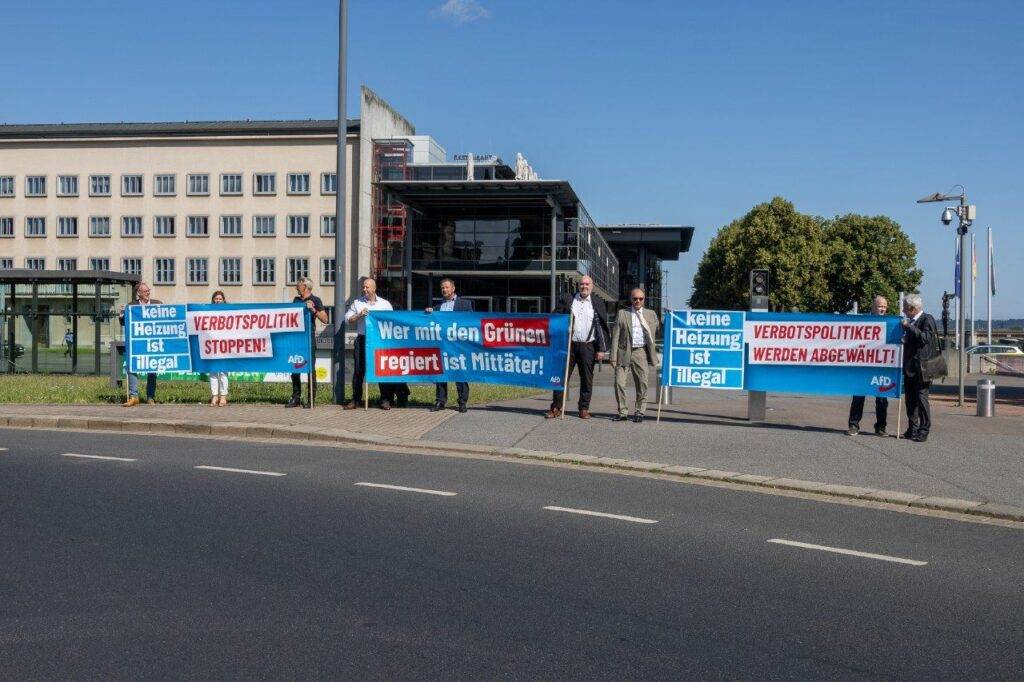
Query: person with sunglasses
{"points": [[142, 297], [633, 353]]}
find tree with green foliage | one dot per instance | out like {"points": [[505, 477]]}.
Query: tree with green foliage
{"points": [[869, 256], [816, 265], [790, 244]]}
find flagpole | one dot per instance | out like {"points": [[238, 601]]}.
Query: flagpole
{"points": [[991, 284], [974, 289]]}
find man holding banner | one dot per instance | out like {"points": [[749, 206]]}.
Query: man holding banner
{"points": [[304, 294], [879, 306], [589, 343], [356, 315], [141, 298], [451, 303]]}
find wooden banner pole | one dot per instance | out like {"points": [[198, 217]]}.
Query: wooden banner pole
{"points": [[568, 356], [661, 399]]}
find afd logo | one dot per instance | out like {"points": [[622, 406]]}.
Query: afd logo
{"points": [[883, 383], [297, 361]]}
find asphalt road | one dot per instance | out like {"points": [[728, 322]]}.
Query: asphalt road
{"points": [[155, 568]]}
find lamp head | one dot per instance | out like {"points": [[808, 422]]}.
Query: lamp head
{"points": [[947, 216]]}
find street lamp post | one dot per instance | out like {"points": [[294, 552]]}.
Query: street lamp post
{"points": [[340, 216], [965, 214]]}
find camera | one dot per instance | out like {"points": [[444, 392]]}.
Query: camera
{"points": [[947, 216]]}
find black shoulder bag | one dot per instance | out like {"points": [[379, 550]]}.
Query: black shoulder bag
{"points": [[934, 367]]}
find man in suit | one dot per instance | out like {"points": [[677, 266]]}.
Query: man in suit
{"points": [[919, 344], [141, 297], [589, 343], [451, 302], [879, 306], [633, 352]]}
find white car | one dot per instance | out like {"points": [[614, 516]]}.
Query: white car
{"points": [[994, 349]]}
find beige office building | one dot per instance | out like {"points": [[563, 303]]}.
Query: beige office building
{"points": [[247, 207]]}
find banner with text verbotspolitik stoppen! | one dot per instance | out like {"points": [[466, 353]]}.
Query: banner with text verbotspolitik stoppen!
{"points": [[816, 353], [496, 348], [226, 337]]}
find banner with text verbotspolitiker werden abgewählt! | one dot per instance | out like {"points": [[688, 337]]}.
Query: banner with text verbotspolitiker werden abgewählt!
{"points": [[824, 353], [496, 348], [226, 337]]}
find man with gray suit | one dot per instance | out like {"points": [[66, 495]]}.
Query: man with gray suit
{"points": [[633, 352]]}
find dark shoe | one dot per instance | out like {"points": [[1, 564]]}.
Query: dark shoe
{"points": [[638, 418], [351, 405], [920, 438], [584, 414], [385, 405], [294, 402], [402, 402], [881, 432], [437, 407], [621, 418], [463, 409], [553, 413], [909, 435]]}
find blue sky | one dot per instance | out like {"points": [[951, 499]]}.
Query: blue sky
{"points": [[668, 112]]}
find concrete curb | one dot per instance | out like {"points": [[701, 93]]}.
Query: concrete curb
{"points": [[341, 437]]}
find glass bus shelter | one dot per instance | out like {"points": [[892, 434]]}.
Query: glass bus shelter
{"points": [[60, 322]]}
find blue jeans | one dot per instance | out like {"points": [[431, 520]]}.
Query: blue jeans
{"points": [[133, 385]]}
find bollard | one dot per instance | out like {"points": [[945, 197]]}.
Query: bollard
{"points": [[985, 397]]}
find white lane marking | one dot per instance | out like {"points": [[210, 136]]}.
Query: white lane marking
{"points": [[113, 459], [3, 449], [587, 512], [443, 493], [850, 552], [240, 471]]}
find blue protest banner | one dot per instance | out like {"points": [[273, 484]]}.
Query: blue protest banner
{"points": [[156, 339], [824, 353], [250, 337], [226, 337], [497, 348], [703, 349]]}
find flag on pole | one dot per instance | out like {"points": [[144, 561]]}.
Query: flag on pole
{"points": [[974, 265], [991, 265]]}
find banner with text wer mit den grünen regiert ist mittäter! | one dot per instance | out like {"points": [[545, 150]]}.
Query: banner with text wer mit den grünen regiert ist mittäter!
{"points": [[814, 353], [227, 337], [496, 348]]}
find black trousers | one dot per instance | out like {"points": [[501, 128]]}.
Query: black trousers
{"points": [[857, 411], [395, 392], [581, 355], [297, 386], [919, 413], [441, 392]]}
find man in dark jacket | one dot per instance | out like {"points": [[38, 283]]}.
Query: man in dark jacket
{"points": [[590, 338], [919, 344], [451, 302], [141, 297]]}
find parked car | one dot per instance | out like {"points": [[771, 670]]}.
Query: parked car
{"points": [[994, 349]]}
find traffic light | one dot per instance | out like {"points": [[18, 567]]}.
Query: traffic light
{"points": [[759, 290]]}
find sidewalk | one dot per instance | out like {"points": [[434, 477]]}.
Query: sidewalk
{"points": [[705, 434]]}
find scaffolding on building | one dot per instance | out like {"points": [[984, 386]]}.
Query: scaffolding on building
{"points": [[390, 162]]}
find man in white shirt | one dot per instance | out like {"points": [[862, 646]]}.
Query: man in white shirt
{"points": [[451, 302], [633, 352], [356, 315], [589, 343]]}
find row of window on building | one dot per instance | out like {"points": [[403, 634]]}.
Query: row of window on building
{"points": [[197, 270], [167, 226], [166, 184]]}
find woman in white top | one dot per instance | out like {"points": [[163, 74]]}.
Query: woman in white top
{"points": [[218, 380]]}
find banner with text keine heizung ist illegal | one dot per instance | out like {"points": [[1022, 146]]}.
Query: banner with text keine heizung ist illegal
{"points": [[497, 348]]}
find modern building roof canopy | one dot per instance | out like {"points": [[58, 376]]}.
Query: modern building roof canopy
{"points": [[665, 241], [425, 193], [22, 276], [174, 129]]}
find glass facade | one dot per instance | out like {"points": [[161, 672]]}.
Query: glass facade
{"points": [[59, 327]]}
